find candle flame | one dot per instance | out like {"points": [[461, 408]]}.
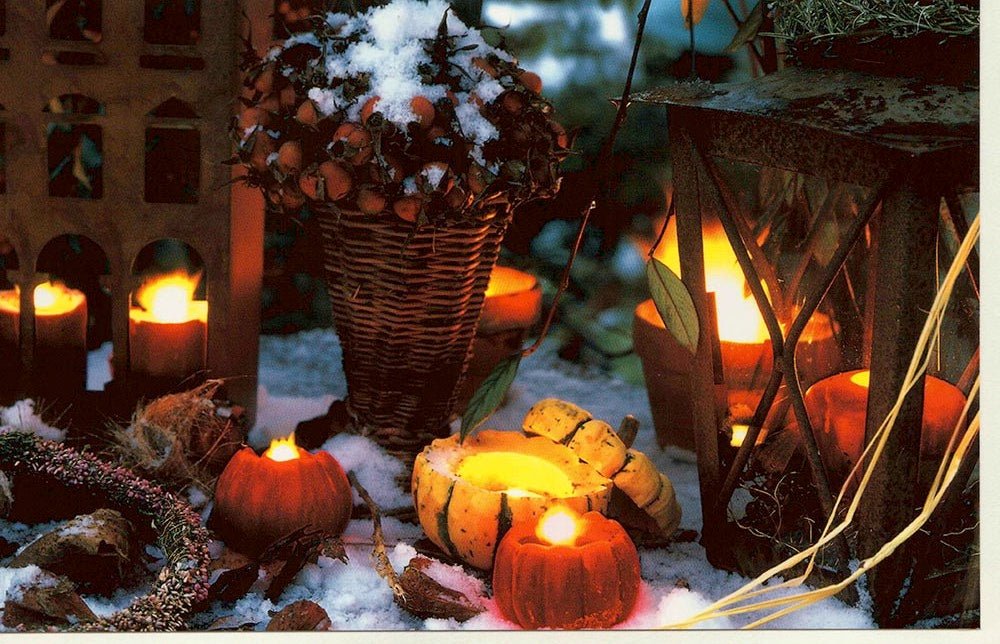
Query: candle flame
{"points": [[50, 298], [862, 378], [739, 435], [504, 281], [170, 298], [559, 527], [55, 298], [283, 449], [737, 313]]}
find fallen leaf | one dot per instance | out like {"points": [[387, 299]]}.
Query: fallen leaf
{"points": [[425, 597], [235, 583], [303, 615], [99, 552], [47, 600]]}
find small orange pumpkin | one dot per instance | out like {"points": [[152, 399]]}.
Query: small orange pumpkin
{"points": [[591, 582], [259, 499]]}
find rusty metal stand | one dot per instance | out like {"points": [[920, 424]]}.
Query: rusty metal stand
{"points": [[912, 144]]}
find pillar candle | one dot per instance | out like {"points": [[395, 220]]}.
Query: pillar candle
{"points": [[168, 332], [838, 407]]}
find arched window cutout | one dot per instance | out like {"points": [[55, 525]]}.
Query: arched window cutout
{"points": [[75, 152], [168, 256], [73, 104], [173, 108], [74, 19], [173, 156], [68, 257], [172, 22]]}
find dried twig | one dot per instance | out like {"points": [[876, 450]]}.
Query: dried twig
{"points": [[382, 564], [605, 152]]}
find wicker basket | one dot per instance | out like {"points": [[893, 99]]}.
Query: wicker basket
{"points": [[405, 306]]}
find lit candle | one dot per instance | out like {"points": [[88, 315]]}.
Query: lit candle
{"points": [[513, 301], [838, 406], [512, 305], [259, 499], [168, 330], [743, 337], [60, 351], [566, 571], [739, 434]]}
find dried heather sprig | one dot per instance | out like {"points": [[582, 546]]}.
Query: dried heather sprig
{"points": [[182, 582]]}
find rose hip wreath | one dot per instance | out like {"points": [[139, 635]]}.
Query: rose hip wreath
{"points": [[182, 583], [401, 109]]}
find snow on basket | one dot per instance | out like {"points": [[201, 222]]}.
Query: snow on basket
{"points": [[413, 140]]}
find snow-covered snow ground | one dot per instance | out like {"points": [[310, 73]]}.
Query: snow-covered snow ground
{"points": [[300, 376]]}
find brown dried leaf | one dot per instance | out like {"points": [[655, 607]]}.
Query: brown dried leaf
{"points": [[231, 623], [303, 615], [425, 597], [48, 601], [235, 583], [99, 552], [640, 525], [334, 549]]}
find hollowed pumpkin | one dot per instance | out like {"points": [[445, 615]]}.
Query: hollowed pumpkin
{"points": [[468, 495], [259, 500], [591, 583]]}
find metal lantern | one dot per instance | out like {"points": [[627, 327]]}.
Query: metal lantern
{"points": [[841, 198]]}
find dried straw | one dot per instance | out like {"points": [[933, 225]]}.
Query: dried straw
{"points": [[819, 19], [179, 438], [958, 447]]}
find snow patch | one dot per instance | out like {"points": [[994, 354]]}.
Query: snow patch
{"points": [[21, 417]]}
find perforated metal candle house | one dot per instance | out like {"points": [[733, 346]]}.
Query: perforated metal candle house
{"points": [[841, 197], [113, 140]]}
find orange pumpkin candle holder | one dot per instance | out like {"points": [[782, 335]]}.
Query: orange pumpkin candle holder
{"points": [[567, 571], [838, 408], [259, 499]]}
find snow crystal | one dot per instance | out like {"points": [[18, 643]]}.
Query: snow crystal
{"points": [[196, 497], [326, 100], [375, 469], [410, 186], [434, 174], [474, 126], [389, 49], [21, 417], [277, 416], [84, 526], [13, 580]]}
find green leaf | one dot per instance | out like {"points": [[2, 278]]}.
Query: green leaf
{"points": [[674, 303], [489, 395], [748, 28]]}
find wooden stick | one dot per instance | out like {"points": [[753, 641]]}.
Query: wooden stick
{"points": [[382, 564]]}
